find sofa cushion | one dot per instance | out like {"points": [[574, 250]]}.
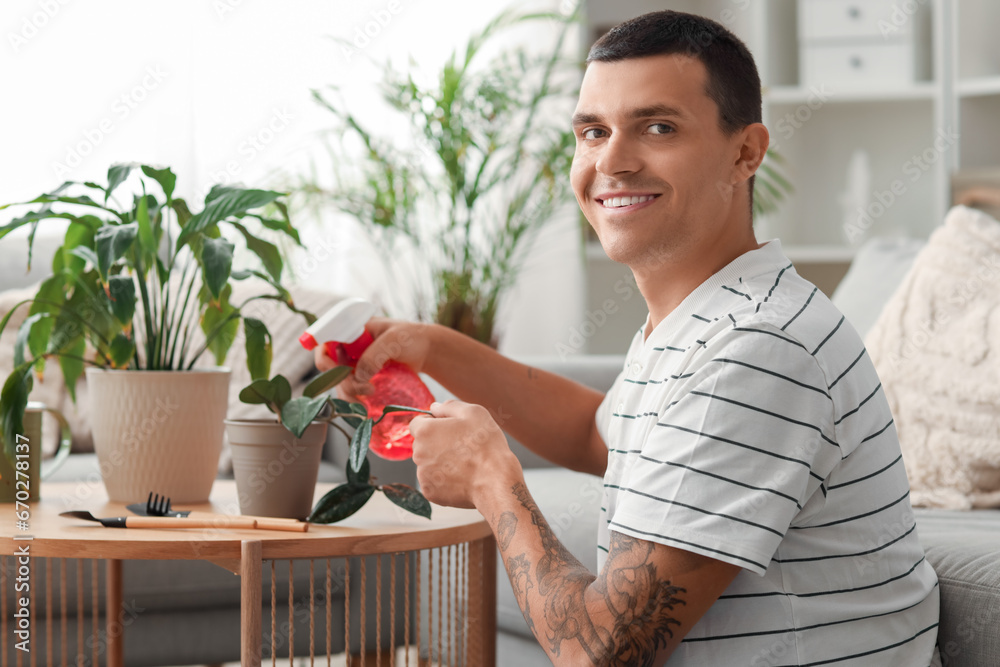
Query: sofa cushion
{"points": [[964, 548], [570, 502], [876, 272]]}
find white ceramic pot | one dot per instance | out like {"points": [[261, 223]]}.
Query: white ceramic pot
{"points": [[275, 471], [158, 431]]}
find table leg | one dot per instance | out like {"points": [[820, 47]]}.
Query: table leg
{"points": [[113, 627], [250, 603], [482, 602]]}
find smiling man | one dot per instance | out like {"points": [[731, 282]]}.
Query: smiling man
{"points": [[756, 507]]}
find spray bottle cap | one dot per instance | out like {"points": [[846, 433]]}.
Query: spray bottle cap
{"points": [[344, 323]]}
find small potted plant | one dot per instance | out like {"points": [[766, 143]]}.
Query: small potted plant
{"points": [[276, 462], [141, 289]]}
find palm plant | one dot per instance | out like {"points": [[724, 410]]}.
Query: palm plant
{"points": [[493, 170]]}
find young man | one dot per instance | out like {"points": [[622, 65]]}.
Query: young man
{"points": [[756, 508]]}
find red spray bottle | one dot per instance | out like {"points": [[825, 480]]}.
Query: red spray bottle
{"points": [[342, 331]]}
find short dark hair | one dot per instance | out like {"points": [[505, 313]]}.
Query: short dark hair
{"points": [[733, 81]]}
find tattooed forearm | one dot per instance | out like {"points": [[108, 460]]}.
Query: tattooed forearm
{"points": [[639, 603], [562, 581], [505, 529]]}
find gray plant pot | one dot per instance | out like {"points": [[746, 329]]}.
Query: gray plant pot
{"points": [[275, 471]]}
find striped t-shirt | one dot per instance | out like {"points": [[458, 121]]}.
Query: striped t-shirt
{"points": [[751, 427]]}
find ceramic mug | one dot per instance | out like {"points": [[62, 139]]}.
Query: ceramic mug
{"points": [[21, 480]]}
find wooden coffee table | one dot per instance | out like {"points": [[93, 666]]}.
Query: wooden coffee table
{"points": [[378, 528]]}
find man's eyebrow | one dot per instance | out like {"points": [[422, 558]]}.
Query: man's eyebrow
{"points": [[584, 118], [656, 110]]}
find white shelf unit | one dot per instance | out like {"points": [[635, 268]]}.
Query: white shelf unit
{"points": [[916, 134]]}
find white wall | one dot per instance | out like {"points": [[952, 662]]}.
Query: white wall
{"points": [[220, 90]]}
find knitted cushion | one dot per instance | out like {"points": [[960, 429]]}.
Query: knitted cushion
{"points": [[933, 349]]}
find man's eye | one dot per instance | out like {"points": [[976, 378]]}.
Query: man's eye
{"points": [[660, 128], [593, 133]]}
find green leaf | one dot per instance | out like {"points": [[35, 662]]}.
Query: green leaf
{"points": [[23, 340], [279, 226], [112, 242], [221, 323], [259, 392], [121, 350], [408, 498], [298, 413], [361, 476], [217, 259], [165, 177], [344, 407], [283, 390], [269, 254], [85, 253], [400, 408], [49, 298], [359, 444], [121, 292], [72, 366], [10, 313], [13, 401], [221, 203], [79, 236], [258, 347], [182, 212], [341, 503], [117, 174], [147, 243], [326, 381]]}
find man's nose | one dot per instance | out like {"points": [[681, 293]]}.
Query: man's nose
{"points": [[619, 155]]}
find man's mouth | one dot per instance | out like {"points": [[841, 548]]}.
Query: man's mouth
{"points": [[622, 202]]}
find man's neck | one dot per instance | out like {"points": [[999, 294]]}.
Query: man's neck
{"points": [[664, 289]]}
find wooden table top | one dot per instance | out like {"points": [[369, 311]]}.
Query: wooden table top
{"points": [[378, 528]]}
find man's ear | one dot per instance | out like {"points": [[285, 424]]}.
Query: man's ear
{"points": [[754, 140]]}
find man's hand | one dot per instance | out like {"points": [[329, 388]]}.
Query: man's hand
{"points": [[460, 453], [395, 340]]}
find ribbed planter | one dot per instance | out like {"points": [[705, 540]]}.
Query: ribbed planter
{"points": [[275, 471], [158, 431]]}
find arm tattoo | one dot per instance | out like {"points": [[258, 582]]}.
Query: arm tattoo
{"points": [[638, 601], [505, 529]]}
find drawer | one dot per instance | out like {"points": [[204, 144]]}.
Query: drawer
{"points": [[850, 19], [858, 65]]}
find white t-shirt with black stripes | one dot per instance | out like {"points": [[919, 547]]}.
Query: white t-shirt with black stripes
{"points": [[751, 427]]}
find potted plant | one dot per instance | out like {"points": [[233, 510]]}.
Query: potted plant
{"points": [[488, 169], [276, 474], [141, 289]]}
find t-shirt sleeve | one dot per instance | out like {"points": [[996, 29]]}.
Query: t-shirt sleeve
{"points": [[743, 438]]}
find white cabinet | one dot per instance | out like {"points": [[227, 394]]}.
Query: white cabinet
{"points": [[865, 160]]}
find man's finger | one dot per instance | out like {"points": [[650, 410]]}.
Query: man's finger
{"points": [[449, 408]]}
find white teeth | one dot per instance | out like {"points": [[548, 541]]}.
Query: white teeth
{"points": [[618, 202]]}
